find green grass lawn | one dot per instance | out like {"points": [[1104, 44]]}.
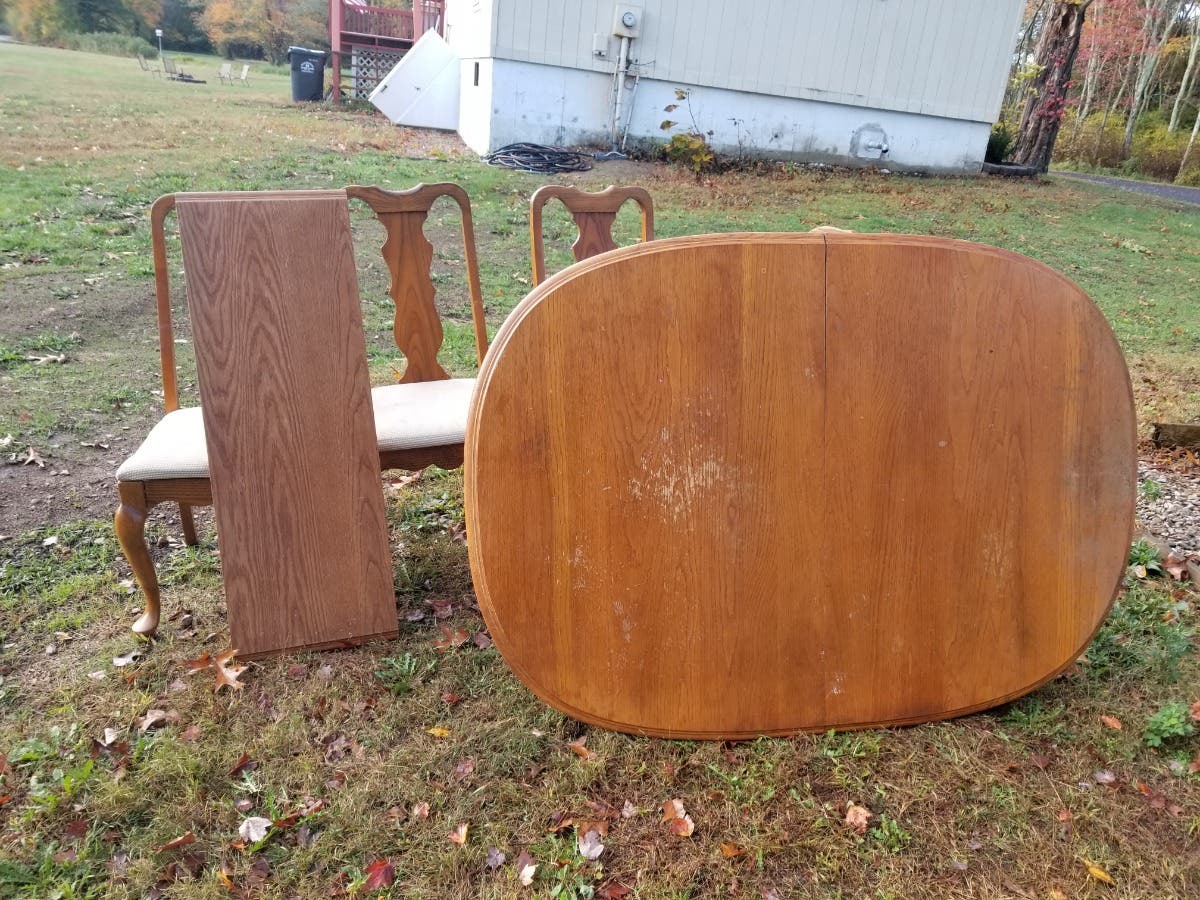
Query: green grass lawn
{"points": [[342, 747]]}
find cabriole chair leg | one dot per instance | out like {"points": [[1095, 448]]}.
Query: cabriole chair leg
{"points": [[130, 522]]}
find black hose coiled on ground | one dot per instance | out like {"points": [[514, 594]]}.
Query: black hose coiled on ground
{"points": [[539, 159]]}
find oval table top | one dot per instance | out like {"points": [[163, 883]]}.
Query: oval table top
{"points": [[731, 485]]}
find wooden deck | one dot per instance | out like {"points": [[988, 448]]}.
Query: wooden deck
{"points": [[375, 30]]}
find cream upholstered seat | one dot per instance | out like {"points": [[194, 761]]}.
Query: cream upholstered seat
{"points": [[407, 416]]}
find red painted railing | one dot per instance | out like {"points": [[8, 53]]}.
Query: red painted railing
{"points": [[375, 20]]}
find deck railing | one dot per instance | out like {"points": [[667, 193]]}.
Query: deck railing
{"points": [[378, 21]]}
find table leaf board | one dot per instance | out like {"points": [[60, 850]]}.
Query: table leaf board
{"points": [[723, 486], [286, 403]]}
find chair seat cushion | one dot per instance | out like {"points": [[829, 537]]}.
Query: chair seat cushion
{"points": [[407, 416]]}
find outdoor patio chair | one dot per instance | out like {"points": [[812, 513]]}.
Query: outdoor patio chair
{"points": [[225, 73], [594, 214], [146, 67], [244, 77], [419, 422]]}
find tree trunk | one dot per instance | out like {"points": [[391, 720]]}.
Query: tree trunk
{"points": [[1094, 70], [1149, 65], [1188, 149], [1185, 86], [1056, 50]]}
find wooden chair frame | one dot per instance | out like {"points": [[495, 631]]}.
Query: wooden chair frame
{"points": [[418, 334], [594, 214]]}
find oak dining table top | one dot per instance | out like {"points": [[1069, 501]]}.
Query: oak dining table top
{"points": [[731, 485]]}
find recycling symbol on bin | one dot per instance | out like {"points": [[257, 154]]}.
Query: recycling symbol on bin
{"points": [[307, 67]]}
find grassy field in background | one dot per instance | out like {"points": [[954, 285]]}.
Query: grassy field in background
{"points": [[341, 747]]}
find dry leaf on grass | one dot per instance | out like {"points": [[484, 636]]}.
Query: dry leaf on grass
{"points": [[254, 829], [1097, 872], [495, 858], [590, 846], [182, 841], [224, 674], [420, 810], [858, 818], [438, 731], [463, 769], [1196, 711], [673, 809], [526, 868], [1112, 722], [459, 834], [577, 747], [380, 874], [729, 849], [451, 639], [613, 890]]}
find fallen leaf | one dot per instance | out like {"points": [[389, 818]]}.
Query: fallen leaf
{"points": [[683, 826], [182, 841], [577, 747], [729, 849], [227, 675], [32, 457], [450, 639], [673, 809], [442, 608], [76, 829], [613, 890], [495, 858], [439, 731], [155, 718], [1104, 776], [526, 868], [1176, 566], [420, 810], [1194, 765], [459, 834], [450, 698], [482, 640], [128, 659], [190, 734], [380, 874], [1097, 872], [1040, 760], [254, 829], [244, 805], [1112, 722], [244, 764], [463, 769], [1196, 711], [857, 818], [590, 846]]}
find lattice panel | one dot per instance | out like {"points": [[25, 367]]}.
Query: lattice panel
{"points": [[368, 67]]}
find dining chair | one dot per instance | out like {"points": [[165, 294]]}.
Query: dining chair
{"points": [[419, 421], [594, 213]]}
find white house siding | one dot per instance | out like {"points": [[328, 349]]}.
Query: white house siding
{"points": [[945, 58], [804, 79], [560, 106]]}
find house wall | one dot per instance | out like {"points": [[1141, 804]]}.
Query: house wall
{"points": [[521, 101], [946, 58]]}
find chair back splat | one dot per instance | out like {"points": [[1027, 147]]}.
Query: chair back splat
{"points": [[409, 255], [594, 214]]}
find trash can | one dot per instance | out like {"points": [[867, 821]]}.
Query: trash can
{"points": [[308, 73]]}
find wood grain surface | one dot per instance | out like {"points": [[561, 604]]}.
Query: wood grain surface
{"points": [[754, 484], [595, 214], [284, 388]]}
